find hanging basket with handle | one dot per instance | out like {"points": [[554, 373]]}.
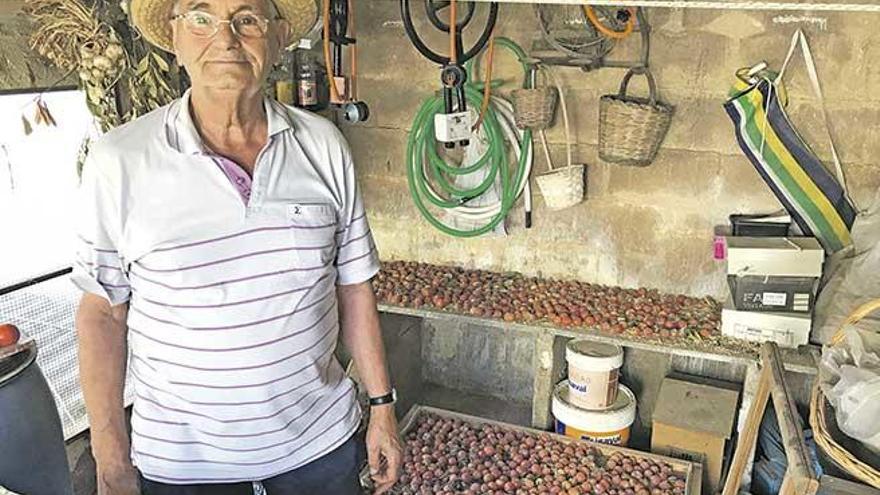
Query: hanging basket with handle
{"points": [[820, 409], [535, 107], [561, 187], [631, 129]]}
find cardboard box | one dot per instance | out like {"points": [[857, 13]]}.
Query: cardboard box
{"points": [[693, 421], [775, 256], [775, 294], [785, 329]]}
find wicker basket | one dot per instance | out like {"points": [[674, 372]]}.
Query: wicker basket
{"points": [[534, 108], [632, 129], [562, 187], [819, 410]]}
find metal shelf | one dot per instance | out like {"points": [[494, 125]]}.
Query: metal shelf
{"points": [[790, 5]]}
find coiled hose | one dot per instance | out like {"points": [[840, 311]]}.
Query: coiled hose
{"points": [[428, 173]]}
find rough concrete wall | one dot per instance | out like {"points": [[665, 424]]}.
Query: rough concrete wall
{"points": [[650, 227], [18, 63], [479, 360]]}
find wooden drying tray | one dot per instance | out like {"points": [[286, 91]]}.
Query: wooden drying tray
{"points": [[691, 472]]}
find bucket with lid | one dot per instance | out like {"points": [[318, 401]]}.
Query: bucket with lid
{"points": [[593, 373], [611, 425]]}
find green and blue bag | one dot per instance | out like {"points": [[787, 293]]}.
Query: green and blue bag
{"points": [[816, 199]]}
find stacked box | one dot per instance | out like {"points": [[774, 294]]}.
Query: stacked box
{"points": [[773, 286]]}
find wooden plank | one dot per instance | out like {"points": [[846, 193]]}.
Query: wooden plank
{"points": [[750, 391], [800, 478], [797, 360], [694, 482], [745, 445], [829, 485]]}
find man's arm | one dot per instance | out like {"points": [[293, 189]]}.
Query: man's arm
{"points": [[103, 350], [363, 338]]}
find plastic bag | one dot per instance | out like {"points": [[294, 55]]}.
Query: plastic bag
{"points": [[850, 379], [852, 277]]}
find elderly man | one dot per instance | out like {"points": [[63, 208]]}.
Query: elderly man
{"points": [[224, 242]]}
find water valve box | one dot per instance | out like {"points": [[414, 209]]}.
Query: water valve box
{"points": [[452, 127]]}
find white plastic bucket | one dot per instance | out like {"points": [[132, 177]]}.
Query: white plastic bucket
{"points": [[610, 426], [593, 373]]}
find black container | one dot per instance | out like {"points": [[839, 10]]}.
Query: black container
{"points": [[33, 459], [749, 226], [774, 294]]}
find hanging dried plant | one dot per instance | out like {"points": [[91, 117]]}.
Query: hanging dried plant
{"points": [[81, 39], [150, 84], [73, 37], [62, 26]]}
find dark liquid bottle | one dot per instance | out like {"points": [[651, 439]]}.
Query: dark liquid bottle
{"points": [[308, 81]]}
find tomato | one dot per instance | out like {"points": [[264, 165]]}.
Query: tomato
{"points": [[9, 334]]}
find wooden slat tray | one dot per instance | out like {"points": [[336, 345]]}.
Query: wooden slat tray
{"points": [[692, 473]]}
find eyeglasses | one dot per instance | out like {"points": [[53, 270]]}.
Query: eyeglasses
{"points": [[244, 24]]}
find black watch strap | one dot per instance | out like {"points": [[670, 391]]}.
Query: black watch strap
{"points": [[388, 398]]}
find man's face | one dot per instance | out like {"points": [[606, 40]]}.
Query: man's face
{"points": [[226, 60]]}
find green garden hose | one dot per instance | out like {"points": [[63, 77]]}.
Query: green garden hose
{"points": [[429, 174]]}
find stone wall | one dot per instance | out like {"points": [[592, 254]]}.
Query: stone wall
{"points": [[20, 67], [639, 226]]}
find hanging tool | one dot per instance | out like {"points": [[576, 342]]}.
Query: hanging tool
{"points": [[455, 123], [338, 24], [583, 36], [625, 16]]}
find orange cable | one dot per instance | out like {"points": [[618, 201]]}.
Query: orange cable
{"points": [[627, 30], [487, 89], [334, 92], [453, 29]]}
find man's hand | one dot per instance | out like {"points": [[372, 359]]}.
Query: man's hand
{"points": [[118, 480], [384, 451]]}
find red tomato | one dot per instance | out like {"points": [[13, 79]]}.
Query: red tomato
{"points": [[9, 334]]}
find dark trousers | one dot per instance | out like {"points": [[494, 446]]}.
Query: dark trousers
{"points": [[337, 473]]}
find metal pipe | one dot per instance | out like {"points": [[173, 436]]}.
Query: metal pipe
{"points": [[700, 4]]}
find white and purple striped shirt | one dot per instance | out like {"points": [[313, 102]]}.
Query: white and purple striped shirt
{"points": [[232, 289]]}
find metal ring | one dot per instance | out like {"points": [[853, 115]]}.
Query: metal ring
{"points": [[30, 348]]}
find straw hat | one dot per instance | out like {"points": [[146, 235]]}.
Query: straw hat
{"points": [[152, 18]]}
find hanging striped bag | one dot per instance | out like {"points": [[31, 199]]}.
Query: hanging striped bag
{"points": [[816, 199]]}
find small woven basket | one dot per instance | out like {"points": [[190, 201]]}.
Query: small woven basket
{"points": [[534, 108], [631, 129], [820, 409], [562, 187]]}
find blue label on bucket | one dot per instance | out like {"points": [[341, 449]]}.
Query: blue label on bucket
{"points": [[577, 387]]}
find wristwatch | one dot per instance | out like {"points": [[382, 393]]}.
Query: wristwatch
{"points": [[389, 398]]}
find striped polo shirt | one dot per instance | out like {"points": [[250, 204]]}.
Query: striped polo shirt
{"points": [[233, 314]]}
